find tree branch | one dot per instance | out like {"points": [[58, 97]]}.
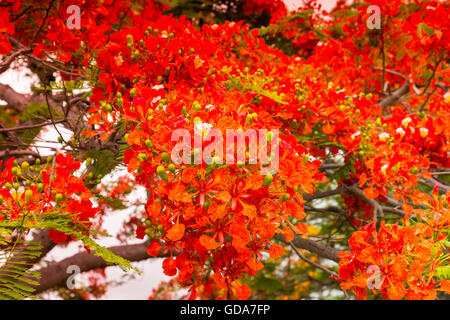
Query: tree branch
{"points": [[318, 266], [312, 246], [56, 274], [4, 65], [431, 182], [395, 97], [31, 126], [13, 98], [324, 194]]}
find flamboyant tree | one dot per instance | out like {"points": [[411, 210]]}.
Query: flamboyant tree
{"points": [[358, 204]]}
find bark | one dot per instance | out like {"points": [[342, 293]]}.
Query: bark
{"points": [[313, 246], [56, 274], [395, 97], [13, 98]]}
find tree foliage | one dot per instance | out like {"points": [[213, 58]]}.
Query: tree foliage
{"points": [[361, 193]]}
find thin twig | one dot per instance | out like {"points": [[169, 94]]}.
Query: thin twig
{"points": [[31, 126]]}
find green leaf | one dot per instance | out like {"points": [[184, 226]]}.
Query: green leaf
{"points": [[425, 28]]}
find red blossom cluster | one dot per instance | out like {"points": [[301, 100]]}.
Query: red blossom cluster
{"points": [[154, 73]]}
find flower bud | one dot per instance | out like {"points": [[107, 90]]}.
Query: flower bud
{"points": [[267, 180], [196, 105], [28, 196], [165, 156], [142, 157], [161, 171], [129, 38], [15, 171], [58, 198]]}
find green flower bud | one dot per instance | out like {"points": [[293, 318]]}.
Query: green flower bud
{"points": [[161, 171], [197, 120], [285, 197], [58, 198], [165, 156], [28, 196], [129, 38], [40, 187], [196, 105], [15, 171], [378, 121], [133, 92], [267, 180], [149, 143], [172, 168], [142, 157]]}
